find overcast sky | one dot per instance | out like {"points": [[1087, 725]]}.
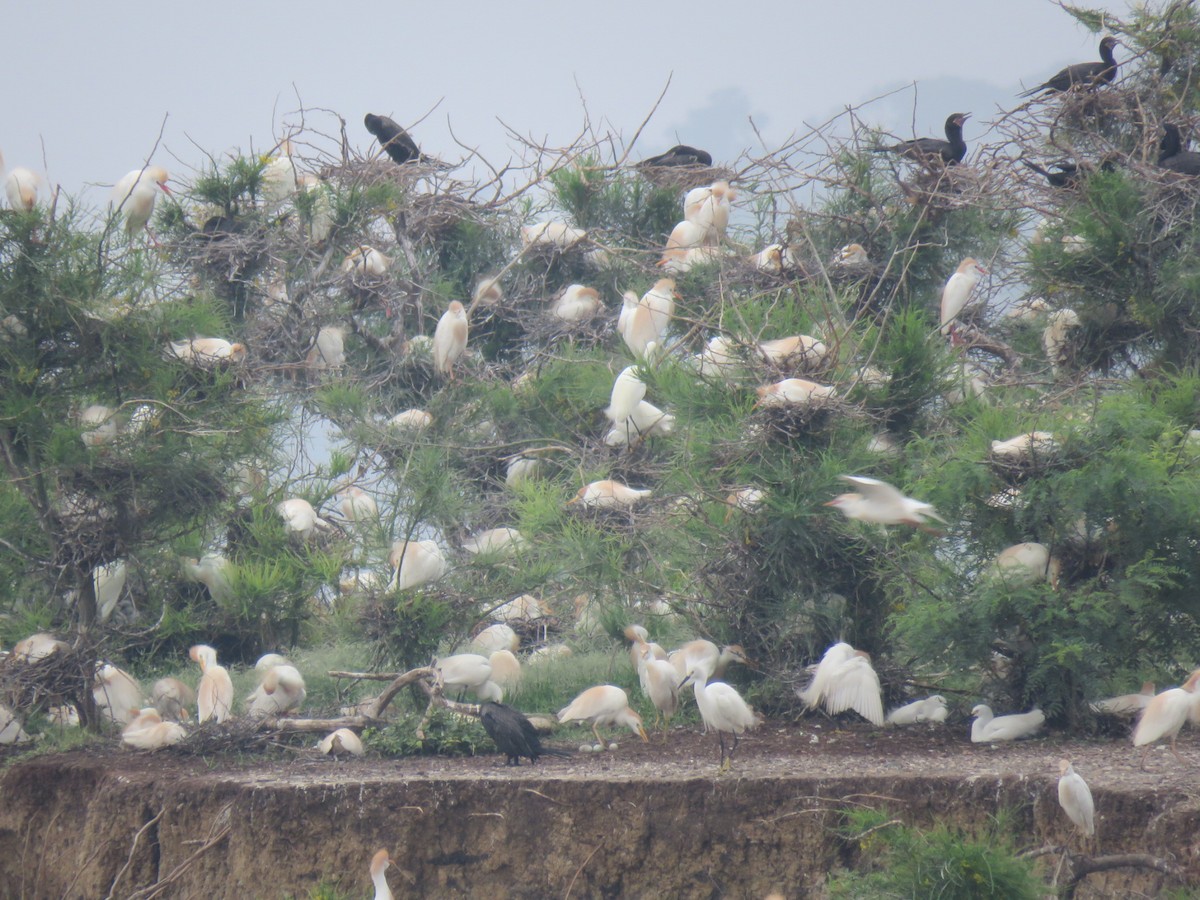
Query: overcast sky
{"points": [[91, 83]]}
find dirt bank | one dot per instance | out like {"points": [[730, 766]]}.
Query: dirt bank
{"points": [[646, 821]]}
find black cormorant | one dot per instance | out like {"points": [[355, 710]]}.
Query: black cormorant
{"points": [[925, 150], [1088, 74], [514, 734]]}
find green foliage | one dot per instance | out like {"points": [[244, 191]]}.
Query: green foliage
{"points": [[899, 861], [446, 734], [616, 201]]}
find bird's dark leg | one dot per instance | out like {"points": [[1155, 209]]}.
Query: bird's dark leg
{"points": [[733, 749]]}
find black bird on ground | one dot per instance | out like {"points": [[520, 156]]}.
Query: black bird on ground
{"points": [[396, 142], [1059, 175], [1088, 74], [514, 734], [927, 150], [679, 155], [1172, 154]]}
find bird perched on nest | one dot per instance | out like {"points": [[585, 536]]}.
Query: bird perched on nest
{"points": [[935, 150], [513, 734], [281, 691], [148, 731], [608, 494], [845, 680], [679, 155], [1086, 74], [415, 563], [134, 195], [206, 352], [879, 503], [988, 728], [214, 698], [300, 518], [342, 742], [1173, 154], [1060, 174], [793, 392], [396, 142]]}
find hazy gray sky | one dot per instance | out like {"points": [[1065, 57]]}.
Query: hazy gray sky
{"points": [[92, 82]]}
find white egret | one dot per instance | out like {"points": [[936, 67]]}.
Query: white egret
{"points": [[604, 704], [988, 728]]}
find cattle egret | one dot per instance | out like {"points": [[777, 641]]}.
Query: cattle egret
{"points": [[495, 542], [768, 260], [469, 670], [708, 207], [410, 420], [328, 350], [342, 742], [684, 236], [845, 680], [988, 728], [11, 731], [878, 503], [450, 339], [117, 693], [21, 188], [101, 424], [379, 864], [356, 505], [526, 607], [506, 668], [1075, 797], [134, 195], [148, 731], [1024, 448], [1027, 563], [799, 350], [608, 494], [722, 709], [415, 563], [300, 518], [576, 303], [958, 290], [604, 704], [514, 735], [108, 581], [702, 654], [556, 236], [318, 213], [1165, 714], [645, 421], [213, 571], [172, 698], [719, 357], [792, 392], [627, 392], [521, 469], [281, 691], [550, 652], [679, 261], [1126, 705], [660, 682], [366, 261], [852, 256], [660, 300], [931, 709], [745, 499], [214, 697], [1056, 337], [38, 646], [278, 180], [637, 328], [497, 637], [206, 353], [642, 649]]}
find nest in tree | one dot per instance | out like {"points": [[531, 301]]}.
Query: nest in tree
{"points": [[684, 178], [235, 735], [64, 677], [800, 421]]}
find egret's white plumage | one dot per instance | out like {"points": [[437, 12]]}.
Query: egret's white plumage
{"points": [[415, 563], [958, 290], [607, 494], [721, 708], [499, 636], [604, 704], [21, 188], [645, 420], [552, 235], [11, 731], [300, 518], [214, 697], [356, 505], [845, 680], [342, 742], [793, 392], [1025, 448], [495, 541], [172, 698], [379, 864], [148, 731], [469, 670], [281, 691], [628, 390], [576, 303], [117, 693], [450, 339], [1075, 797], [988, 728], [410, 420], [877, 502], [1126, 704], [1165, 714], [800, 350], [134, 195], [931, 709], [328, 350], [1027, 563], [366, 261]]}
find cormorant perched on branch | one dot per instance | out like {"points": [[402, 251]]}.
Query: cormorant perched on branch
{"points": [[514, 734], [1088, 74], [396, 142], [679, 155], [1173, 156], [925, 150]]}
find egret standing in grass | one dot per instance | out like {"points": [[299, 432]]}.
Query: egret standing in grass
{"points": [[722, 709]]}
